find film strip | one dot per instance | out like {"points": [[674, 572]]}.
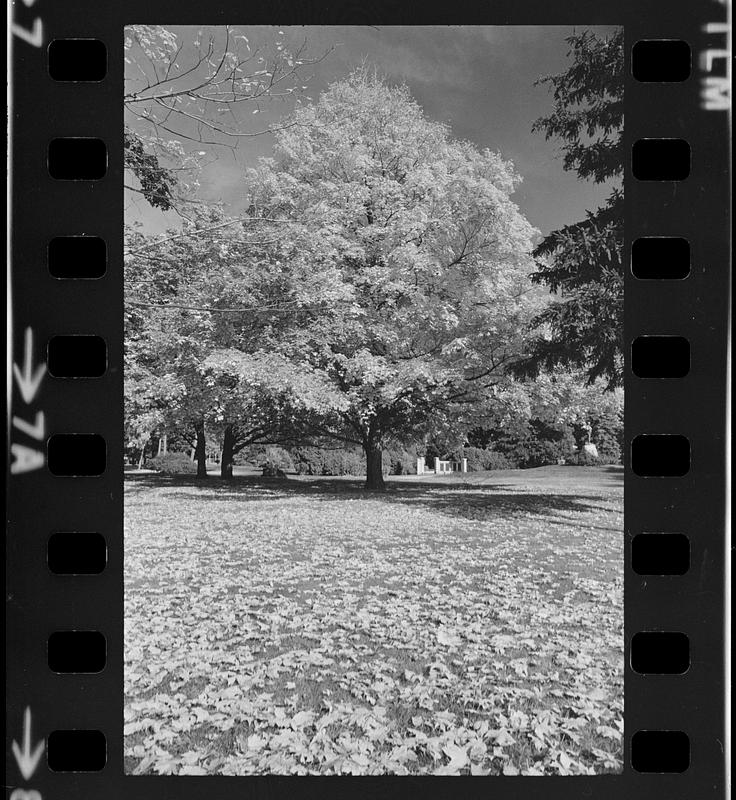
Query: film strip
{"points": [[64, 537]]}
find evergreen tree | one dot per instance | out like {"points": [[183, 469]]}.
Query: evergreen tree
{"points": [[582, 263]]}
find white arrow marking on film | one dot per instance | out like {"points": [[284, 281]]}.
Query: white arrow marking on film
{"points": [[33, 37], [27, 760], [28, 380]]}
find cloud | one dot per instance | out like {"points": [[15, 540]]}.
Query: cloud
{"points": [[416, 54], [430, 59]]}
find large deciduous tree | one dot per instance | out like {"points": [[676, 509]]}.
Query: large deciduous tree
{"points": [[582, 263], [421, 253]]}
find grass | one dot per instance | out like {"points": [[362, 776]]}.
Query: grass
{"points": [[452, 624]]}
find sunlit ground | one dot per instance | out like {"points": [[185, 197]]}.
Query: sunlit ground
{"points": [[453, 625]]}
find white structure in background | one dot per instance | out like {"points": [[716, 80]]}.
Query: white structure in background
{"points": [[441, 467], [591, 450]]}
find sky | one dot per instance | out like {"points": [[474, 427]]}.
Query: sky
{"points": [[477, 79]]}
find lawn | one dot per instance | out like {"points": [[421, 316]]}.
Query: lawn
{"points": [[460, 625]]}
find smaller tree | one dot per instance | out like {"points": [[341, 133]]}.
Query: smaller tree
{"points": [[165, 341], [146, 398]]}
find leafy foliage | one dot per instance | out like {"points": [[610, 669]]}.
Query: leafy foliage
{"points": [[398, 460], [452, 630], [583, 459], [156, 182], [172, 464], [276, 457], [582, 263], [163, 352], [481, 458], [550, 417], [205, 320], [328, 461], [549, 443], [607, 433], [351, 460], [530, 443], [589, 106]]}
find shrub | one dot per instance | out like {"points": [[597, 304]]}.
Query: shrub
{"points": [[173, 464], [280, 458], [533, 443], [266, 456], [583, 459], [324, 461], [350, 461], [607, 435], [510, 441], [343, 462], [244, 458], [275, 460], [307, 460], [400, 461], [481, 458], [494, 460]]}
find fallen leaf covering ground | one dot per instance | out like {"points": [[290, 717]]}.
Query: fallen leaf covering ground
{"points": [[452, 626]]}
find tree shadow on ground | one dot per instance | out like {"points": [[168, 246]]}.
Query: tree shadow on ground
{"points": [[470, 501]]}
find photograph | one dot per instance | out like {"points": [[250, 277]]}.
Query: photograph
{"points": [[373, 400]]}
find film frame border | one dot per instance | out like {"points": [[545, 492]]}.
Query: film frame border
{"points": [[42, 604]]}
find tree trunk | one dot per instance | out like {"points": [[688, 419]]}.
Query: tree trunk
{"points": [[200, 450], [226, 462], [374, 466]]}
